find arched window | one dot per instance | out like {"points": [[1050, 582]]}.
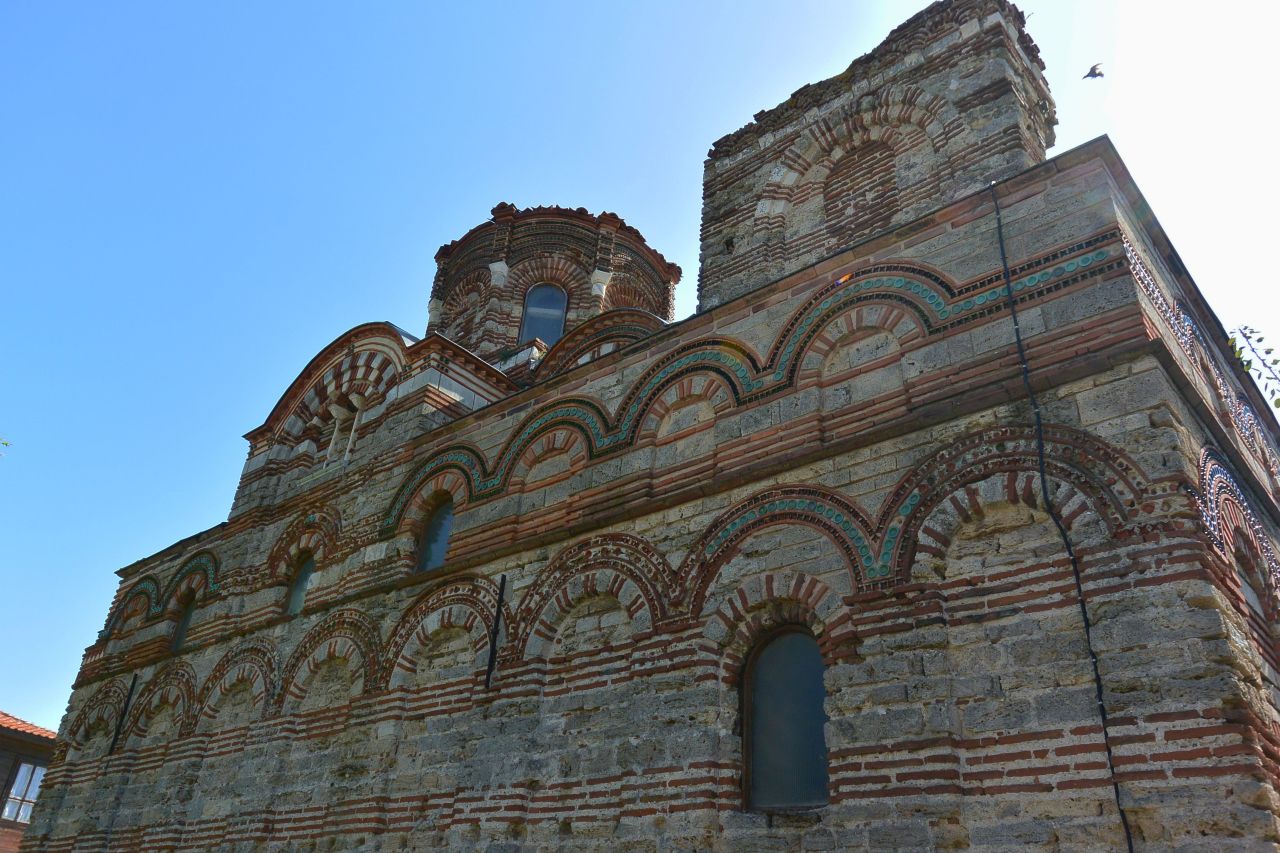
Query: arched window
{"points": [[183, 625], [301, 583], [435, 536], [544, 308], [784, 747]]}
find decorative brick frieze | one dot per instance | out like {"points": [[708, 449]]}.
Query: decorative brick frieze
{"points": [[846, 451]]}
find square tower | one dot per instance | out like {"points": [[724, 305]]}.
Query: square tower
{"points": [[953, 99]]}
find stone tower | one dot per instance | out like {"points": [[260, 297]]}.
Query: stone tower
{"points": [[953, 99]]}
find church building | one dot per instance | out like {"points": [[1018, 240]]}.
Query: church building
{"points": [[948, 521]]}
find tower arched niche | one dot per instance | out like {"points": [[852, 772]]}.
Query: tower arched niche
{"points": [[856, 170]]}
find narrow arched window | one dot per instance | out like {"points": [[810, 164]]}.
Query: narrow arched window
{"points": [[544, 308], [435, 536], [183, 625], [784, 746], [301, 583]]}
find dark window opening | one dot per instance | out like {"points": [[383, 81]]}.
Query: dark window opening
{"points": [[785, 748], [435, 537], [301, 583], [22, 794], [183, 625], [544, 309]]}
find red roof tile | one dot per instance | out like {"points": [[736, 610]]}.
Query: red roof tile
{"points": [[12, 723]]}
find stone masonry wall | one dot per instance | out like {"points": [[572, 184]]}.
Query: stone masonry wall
{"points": [[849, 450], [953, 99]]}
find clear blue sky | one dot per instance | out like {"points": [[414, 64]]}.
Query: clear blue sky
{"points": [[196, 198]]}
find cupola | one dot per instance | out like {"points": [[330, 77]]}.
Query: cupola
{"points": [[528, 277]]}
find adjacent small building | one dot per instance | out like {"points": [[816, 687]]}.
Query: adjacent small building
{"points": [[25, 752]]}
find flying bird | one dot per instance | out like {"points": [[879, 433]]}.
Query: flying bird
{"points": [[1094, 72]]}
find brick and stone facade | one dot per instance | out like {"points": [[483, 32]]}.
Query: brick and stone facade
{"points": [[841, 440]]}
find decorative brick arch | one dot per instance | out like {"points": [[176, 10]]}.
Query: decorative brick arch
{"points": [[833, 515], [343, 633], [850, 321], [367, 374], [921, 295], [197, 578], [468, 603], [611, 330], [734, 363], [142, 600], [1227, 513], [620, 565], [630, 290], [364, 361], [174, 684], [768, 601], [466, 302], [877, 118], [554, 442], [253, 661], [554, 269], [692, 388], [316, 532], [445, 484], [466, 463], [580, 415], [936, 526], [106, 704], [1086, 475]]}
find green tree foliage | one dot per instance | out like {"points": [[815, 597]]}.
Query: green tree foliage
{"points": [[1259, 359]]}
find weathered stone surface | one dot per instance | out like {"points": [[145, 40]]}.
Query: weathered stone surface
{"points": [[849, 451]]}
